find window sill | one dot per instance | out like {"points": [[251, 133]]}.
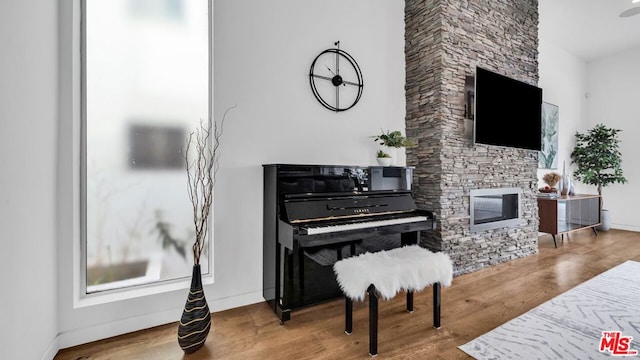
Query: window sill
{"points": [[104, 297]]}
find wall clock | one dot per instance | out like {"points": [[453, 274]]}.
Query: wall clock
{"points": [[336, 79]]}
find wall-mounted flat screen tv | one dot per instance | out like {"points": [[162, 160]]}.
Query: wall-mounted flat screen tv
{"points": [[507, 111]]}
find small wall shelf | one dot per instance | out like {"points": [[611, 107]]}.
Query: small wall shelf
{"points": [[567, 213]]}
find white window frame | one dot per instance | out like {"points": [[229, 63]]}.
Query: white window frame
{"points": [[81, 298]]}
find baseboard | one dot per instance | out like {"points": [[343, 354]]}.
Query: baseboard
{"points": [[625, 227], [52, 350], [115, 328]]}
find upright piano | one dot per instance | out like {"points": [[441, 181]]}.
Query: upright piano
{"points": [[314, 215]]}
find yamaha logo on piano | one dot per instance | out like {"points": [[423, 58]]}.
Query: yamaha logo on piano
{"points": [[361, 211]]}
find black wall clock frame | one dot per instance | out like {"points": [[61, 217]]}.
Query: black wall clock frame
{"points": [[342, 58]]}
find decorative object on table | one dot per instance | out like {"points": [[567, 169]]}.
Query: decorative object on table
{"points": [[548, 156], [336, 79], [392, 140], [597, 155], [564, 186], [195, 322], [551, 179], [572, 185], [384, 159]]}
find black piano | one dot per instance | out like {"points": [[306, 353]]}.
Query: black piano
{"points": [[315, 215]]}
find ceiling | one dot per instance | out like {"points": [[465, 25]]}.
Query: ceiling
{"points": [[589, 29]]}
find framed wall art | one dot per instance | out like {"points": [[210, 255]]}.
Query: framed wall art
{"points": [[548, 156]]}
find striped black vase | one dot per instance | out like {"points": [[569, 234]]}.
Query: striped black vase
{"points": [[196, 318]]}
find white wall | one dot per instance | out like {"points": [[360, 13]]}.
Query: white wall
{"points": [[601, 91], [263, 51], [613, 101], [28, 113], [563, 79]]}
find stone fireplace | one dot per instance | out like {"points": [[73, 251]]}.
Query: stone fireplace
{"points": [[444, 41]]}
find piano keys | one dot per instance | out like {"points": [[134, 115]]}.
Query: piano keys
{"points": [[334, 228], [316, 214]]}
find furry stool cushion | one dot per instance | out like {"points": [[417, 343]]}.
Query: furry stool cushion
{"points": [[409, 268]]}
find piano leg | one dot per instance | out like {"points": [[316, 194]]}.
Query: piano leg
{"points": [[283, 314], [300, 269], [282, 253]]}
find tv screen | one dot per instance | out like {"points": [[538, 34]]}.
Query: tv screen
{"points": [[507, 111]]}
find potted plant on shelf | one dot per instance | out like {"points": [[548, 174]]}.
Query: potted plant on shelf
{"points": [[383, 158], [599, 162], [392, 140]]}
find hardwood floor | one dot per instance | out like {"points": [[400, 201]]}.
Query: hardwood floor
{"points": [[474, 304]]}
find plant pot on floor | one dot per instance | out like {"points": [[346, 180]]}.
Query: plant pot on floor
{"points": [[605, 220]]}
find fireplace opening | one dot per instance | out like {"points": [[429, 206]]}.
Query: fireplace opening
{"points": [[494, 208]]}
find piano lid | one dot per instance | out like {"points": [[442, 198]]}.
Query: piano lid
{"points": [[319, 179]]}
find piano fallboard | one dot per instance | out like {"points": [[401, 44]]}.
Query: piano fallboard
{"points": [[298, 210], [294, 236]]}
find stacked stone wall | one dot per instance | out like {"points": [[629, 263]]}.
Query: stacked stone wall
{"points": [[444, 42]]}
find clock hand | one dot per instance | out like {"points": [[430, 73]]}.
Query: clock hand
{"points": [[350, 83], [331, 71], [321, 77]]}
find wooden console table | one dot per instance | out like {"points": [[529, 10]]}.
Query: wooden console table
{"points": [[567, 213]]}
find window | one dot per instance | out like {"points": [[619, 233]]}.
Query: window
{"points": [[146, 71]]}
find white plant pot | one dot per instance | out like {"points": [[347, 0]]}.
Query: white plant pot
{"points": [[384, 161], [605, 220]]}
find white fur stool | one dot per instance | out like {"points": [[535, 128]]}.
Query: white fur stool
{"points": [[385, 273]]}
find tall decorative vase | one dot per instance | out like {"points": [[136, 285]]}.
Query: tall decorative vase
{"points": [[196, 318], [565, 181]]}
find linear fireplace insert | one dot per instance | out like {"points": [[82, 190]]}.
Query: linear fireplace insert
{"points": [[494, 208]]}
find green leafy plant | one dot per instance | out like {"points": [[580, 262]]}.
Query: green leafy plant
{"points": [[393, 139], [382, 154], [598, 157]]}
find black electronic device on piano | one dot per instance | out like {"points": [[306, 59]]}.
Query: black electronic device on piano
{"points": [[316, 214]]}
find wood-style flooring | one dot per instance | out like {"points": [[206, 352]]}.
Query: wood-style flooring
{"points": [[474, 304]]}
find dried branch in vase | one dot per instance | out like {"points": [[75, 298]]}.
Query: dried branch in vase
{"points": [[201, 174]]}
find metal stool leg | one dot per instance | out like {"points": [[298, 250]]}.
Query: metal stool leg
{"points": [[410, 301], [348, 315], [373, 321], [436, 305]]}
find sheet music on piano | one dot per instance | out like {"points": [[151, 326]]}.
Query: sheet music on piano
{"points": [[316, 214]]}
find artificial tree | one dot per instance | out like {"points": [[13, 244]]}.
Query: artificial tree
{"points": [[598, 158]]}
